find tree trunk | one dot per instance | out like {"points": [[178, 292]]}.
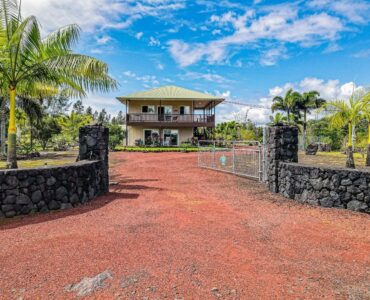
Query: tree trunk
{"points": [[304, 129], [353, 137], [3, 126], [350, 163], [368, 156], [368, 146], [31, 134], [12, 132]]}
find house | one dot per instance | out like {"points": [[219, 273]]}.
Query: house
{"points": [[167, 115]]}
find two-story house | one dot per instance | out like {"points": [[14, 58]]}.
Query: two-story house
{"points": [[167, 115]]}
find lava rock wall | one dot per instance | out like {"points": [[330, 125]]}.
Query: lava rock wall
{"points": [[327, 187], [25, 191]]}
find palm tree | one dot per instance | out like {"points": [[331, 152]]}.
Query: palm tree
{"points": [[288, 103], [29, 63], [278, 119], [307, 102], [347, 113]]}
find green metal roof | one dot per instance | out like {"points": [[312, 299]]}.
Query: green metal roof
{"points": [[170, 92]]}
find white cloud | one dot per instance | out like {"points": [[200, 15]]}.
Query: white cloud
{"points": [[139, 35], [103, 40], [129, 74], [329, 90], [281, 24], [355, 11], [272, 56], [154, 42], [205, 76], [148, 80], [362, 54], [98, 14], [159, 66], [334, 47]]}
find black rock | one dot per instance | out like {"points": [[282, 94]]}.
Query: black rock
{"points": [[54, 205]]}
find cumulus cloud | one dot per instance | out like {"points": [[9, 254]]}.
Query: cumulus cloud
{"points": [[282, 24], [355, 11], [98, 14], [329, 90]]}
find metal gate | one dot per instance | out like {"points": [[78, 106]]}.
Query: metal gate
{"points": [[244, 158]]}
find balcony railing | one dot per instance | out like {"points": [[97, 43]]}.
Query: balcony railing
{"points": [[171, 119]]}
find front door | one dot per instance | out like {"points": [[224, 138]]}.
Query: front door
{"points": [[151, 137], [170, 137], [164, 113]]}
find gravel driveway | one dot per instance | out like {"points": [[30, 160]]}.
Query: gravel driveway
{"points": [[169, 230]]}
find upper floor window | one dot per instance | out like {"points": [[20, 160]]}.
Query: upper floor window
{"points": [[148, 109], [184, 110]]}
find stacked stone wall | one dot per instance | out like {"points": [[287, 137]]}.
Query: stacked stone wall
{"points": [[25, 191], [327, 187]]}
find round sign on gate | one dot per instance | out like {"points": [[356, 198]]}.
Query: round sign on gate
{"points": [[223, 160]]}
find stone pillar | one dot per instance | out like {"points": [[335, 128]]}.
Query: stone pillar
{"points": [[282, 146], [94, 146]]}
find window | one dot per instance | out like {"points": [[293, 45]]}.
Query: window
{"points": [[151, 137], [170, 137], [184, 110], [148, 109]]}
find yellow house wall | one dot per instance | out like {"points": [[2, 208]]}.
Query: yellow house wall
{"points": [[137, 132]]}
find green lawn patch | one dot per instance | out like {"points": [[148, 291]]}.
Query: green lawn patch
{"points": [[156, 149]]}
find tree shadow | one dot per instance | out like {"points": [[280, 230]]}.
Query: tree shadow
{"points": [[118, 192], [39, 217], [125, 179]]}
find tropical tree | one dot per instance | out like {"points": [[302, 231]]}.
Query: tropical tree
{"points": [[46, 130], [287, 104], [278, 119], [307, 102], [29, 63], [366, 115], [347, 113], [33, 109], [71, 124], [116, 135]]}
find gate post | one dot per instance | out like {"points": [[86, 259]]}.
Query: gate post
{"points": [[93, 141], [282, 146]]}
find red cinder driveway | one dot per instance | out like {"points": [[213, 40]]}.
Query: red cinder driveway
{"points": [[169, 230]]}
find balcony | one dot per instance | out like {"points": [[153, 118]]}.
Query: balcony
{"points": [[170, 120]]}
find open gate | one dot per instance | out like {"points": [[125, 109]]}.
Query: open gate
{"points": [[243, 158]]}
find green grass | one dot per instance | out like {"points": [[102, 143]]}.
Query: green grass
{"points": [[50, 159], [157, 149], [331, 159]]}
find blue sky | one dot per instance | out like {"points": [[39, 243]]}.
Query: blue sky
{"points": [[248, 51]]}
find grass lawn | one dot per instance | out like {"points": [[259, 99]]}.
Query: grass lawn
{"points": [[333, 159], [49, 158]]}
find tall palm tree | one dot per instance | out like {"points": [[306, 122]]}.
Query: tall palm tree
{"points": [[307, 102], [288, 103], [347, 113], [28, 63]]}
